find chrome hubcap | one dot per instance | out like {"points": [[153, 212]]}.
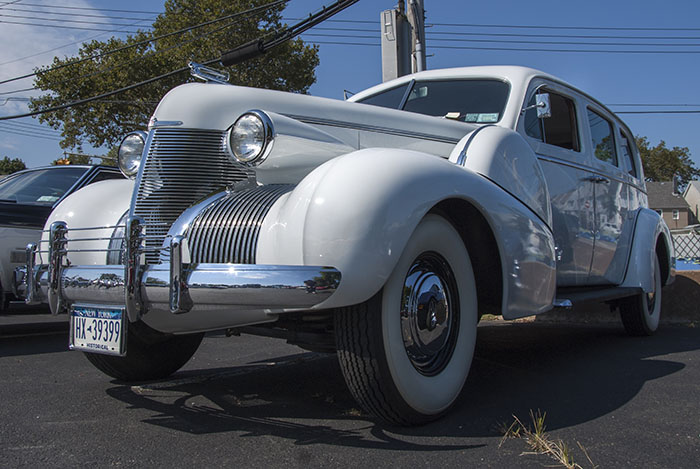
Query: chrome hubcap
{"points": [[429, 313]]}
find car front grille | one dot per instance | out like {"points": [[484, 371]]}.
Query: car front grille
{"points": [[182, 166]]}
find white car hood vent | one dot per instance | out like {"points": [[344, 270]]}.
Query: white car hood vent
{"points": [[182, 166]]}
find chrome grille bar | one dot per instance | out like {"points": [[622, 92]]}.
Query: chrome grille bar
{"points": [[227, 231], [182, 166]]}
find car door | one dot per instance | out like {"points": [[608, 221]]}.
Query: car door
{"points": [[610, 181], [556, 141]]}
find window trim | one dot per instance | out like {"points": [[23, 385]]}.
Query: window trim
{"points": [[546, 87], [612, 126]]}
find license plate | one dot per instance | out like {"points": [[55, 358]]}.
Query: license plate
{"points": [[98, 329]]}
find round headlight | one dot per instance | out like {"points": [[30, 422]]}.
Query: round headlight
{"points": [[130, 152], [250, 138]]}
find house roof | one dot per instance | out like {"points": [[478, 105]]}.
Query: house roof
{"points": [[661, 196]]}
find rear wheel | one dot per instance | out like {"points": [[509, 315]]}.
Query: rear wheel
{"points": [[150, 354], [406, 353], [640, 314]]}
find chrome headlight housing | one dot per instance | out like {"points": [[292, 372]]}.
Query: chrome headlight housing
{"points": [[250, 138], [130, 153]]}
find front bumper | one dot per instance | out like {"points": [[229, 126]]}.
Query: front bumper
{"points": [[217, 295]]}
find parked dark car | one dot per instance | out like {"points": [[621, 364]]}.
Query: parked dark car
{"points": [[26, 200]]}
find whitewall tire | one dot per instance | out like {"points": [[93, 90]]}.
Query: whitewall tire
{"points": [[641, 313], [406, 353]]}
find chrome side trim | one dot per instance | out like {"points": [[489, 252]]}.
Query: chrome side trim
{"points": [[588, 169], [132, 268], [462, 159], [180, 301], [156, 123], [31, 296], [57, 254], [373, 128]]}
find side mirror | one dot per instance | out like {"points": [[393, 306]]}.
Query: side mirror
{"points": [[544, 109]]}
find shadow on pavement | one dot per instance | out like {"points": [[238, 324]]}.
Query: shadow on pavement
{"points": [[575, 374]]}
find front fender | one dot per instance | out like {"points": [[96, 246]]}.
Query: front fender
{"points": [[649, 228], [100, 204], [504, 157], [356, 213]]}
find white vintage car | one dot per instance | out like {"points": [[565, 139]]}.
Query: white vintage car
{"points": [[382, 228]]}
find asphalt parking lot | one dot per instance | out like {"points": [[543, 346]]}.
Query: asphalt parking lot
{"points": [[254, 402]]}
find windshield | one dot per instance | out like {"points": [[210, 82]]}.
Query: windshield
{"points": [[476, 101], [41, 187]]}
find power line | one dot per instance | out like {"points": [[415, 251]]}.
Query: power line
{"points": [[592, 28], [88, 9], [30, 127], [148, 54], [146, 41], [596, 51], [571, 36], [56, 48], [85, 15], [657, 112], [655, 105], [355, 36], [2, 129], [284, 34], [506, 41], [62, 20], [67, 27], [511, 49]]}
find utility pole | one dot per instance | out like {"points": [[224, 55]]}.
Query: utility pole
{"points": [[396, 42], [403, 39], [416, 18]]}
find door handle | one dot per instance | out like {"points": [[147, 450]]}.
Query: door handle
{"points": [[598, 179]]}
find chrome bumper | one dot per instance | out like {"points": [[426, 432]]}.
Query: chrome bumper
{"points": [[177, 286]]}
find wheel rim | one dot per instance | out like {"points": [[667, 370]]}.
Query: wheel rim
{"points": [[429, 313]]}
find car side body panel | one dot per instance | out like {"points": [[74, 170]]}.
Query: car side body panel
{"points": [[358, 221]]}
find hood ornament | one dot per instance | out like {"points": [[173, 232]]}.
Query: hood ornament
{"points": [[209, 75]]}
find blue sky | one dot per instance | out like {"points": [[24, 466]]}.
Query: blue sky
{"points": [[613, 78]]}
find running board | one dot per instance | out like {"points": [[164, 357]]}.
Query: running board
{"points": [[567, 298]]}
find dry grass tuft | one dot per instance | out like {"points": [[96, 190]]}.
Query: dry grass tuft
{"points": [[539, 441]]}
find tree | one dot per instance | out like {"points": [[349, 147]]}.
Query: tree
{"points": [[662, 163], [289, 67], [9, 166]]}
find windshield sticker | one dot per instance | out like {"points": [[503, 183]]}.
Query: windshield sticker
{"points": [[490, 117], [47, 198], [471, 118]]}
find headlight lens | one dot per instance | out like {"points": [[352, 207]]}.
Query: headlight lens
{"points": [[250, 138], [130, 151]]}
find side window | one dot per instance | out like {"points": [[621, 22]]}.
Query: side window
{"points": [[627, 153], [560, 129], [389, 98], [602, 138]]}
